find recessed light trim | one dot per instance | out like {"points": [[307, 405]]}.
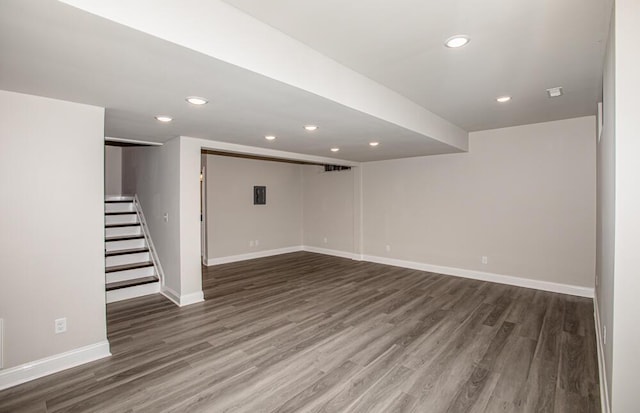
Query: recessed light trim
{"points": [[197, 100], [164, 118], [335, 149], [311, 128], [457, 41], [374, 143], [503, 99], [270, 137]]}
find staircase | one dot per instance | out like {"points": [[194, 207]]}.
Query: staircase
{"points": [[132, 268]]}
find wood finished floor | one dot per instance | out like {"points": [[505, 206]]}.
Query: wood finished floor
{"points": [[304, 332]]}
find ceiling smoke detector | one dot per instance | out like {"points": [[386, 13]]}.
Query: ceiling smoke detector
{"points": [[554, 92]]}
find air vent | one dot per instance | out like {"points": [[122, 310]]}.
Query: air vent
{"points": [[555, 92], [333, 168]]}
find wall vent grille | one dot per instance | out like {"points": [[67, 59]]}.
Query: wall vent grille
{"points": [[333, 168]]}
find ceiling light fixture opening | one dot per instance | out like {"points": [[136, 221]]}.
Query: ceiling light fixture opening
{"points": [[335, 149], [503, 99], [164, 119], [456, 41], [269, 137], [374, 143], [310, 128], [196, 100]]}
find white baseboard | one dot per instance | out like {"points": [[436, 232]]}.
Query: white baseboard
{"points": [[335, 253], [604, 389], [1, 343], [193, 298], [30, 371], [170, 294], [252, 255], [182, 300], [486, 276], [458, 272]]}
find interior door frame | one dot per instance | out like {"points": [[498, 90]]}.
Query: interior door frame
{"points": [[203, 212]]}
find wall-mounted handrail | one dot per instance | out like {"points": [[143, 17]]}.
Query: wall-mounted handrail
{"points": [[147, 237]]}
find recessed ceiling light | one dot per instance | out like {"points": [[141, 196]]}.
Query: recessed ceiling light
{"points": [[374, 143], [310, 128], [195, 100], [335, 149], [163, 118], [554, 92], [503, 99], [456, 41], [269, 137]]}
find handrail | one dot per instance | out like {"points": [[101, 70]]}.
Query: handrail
{"points": [[147, 237]]}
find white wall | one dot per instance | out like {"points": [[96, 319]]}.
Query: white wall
{"points": [[112, 170], [330, 202], [190, 269], [167, 179], [606, 154], [188, 243], [234, 223], [153, 173], [523, 196], [626, 306], [52, 233]]}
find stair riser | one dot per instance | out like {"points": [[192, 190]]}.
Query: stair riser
{"points": [[119, 207], [132, 292], [121, 231], [127, 259], [120, 219], [118, 197], [124, 245], [130, 274]]}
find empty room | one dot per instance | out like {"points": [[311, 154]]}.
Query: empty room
{"points": [[319, 206]]}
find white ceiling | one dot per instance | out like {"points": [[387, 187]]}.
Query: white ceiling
{"points": [[518, 48], [51, 49]]}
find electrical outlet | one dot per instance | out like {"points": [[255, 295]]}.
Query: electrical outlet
{"points": [[257, 242], [165, 216], [485, 259], [251, 243], [60, 325], [388, 248], [325, 240]]}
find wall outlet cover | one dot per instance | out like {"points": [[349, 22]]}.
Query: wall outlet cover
{"points": [[60, 325]]}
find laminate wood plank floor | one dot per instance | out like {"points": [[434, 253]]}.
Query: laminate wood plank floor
{"points": [[305, 332]]}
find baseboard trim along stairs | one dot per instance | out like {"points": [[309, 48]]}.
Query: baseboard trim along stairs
{"points": [[132, 268]]}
